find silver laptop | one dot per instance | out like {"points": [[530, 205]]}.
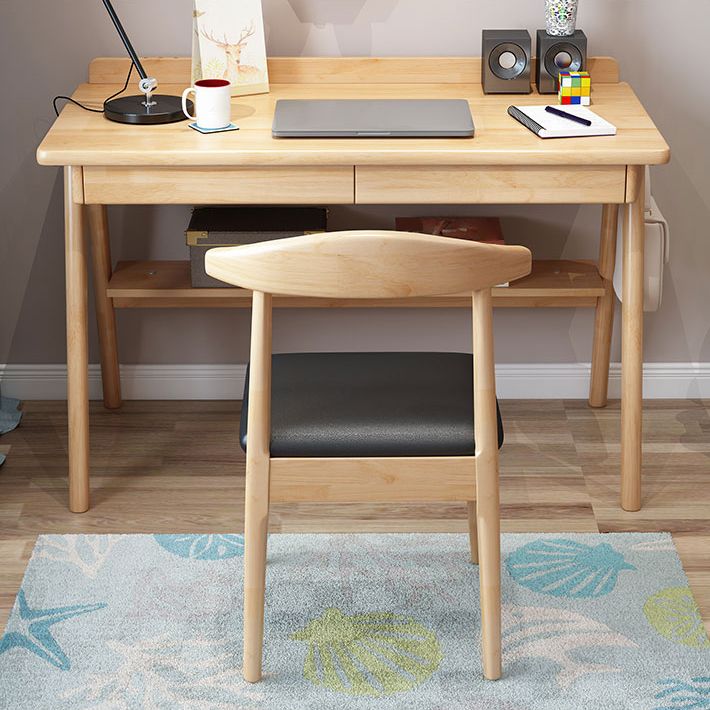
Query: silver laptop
{"points": [[373, 118]]}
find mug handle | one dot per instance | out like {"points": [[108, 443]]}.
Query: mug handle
{"points": [[185, 94]]}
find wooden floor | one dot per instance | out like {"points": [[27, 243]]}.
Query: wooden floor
{"points": [[176, 467]]}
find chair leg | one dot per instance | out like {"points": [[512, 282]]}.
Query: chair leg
{"points": [[487, 493], [473, 531], [489, 571], [256, 525], [256, 494]]}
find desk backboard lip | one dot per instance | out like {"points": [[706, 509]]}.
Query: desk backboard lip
{"points": [[410, 69]]}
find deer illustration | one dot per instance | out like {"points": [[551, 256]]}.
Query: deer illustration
{"points": [[234, 70]]}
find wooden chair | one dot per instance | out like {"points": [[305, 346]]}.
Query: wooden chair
{"points": [[305, 443]]}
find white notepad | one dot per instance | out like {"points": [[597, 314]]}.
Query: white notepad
{"points": [[547, 125]]}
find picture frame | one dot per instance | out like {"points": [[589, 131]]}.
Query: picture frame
{"points": [[228, 42]]}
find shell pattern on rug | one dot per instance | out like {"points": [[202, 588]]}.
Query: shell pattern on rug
{"points": [[375, 654], [673, 613], [566, 568], [679, 694]]}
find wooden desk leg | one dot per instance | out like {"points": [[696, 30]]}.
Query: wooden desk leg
{"points": [[105, 313], [632, 350], [604, 315], [77, 343]]}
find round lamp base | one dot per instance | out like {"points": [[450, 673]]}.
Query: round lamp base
{"points": [[132, 109]]}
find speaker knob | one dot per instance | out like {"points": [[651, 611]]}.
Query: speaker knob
{"points": [[508, 61], [563, 60]]}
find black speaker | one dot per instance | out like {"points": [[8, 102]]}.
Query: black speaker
{"points": [[505, 67], [556, 54]]}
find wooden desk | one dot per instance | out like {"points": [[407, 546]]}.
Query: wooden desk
{"points": [[107, 163]]}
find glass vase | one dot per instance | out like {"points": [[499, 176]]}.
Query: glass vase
{"points": [[561, 17]]}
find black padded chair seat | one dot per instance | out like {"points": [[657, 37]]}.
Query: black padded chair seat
{"points": [[370, 404]]}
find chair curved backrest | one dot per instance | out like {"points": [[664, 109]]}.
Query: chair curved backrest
{"points": [[367, 264]]}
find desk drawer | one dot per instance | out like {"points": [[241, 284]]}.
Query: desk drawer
{"points": [[489, 184], [209, 185]]}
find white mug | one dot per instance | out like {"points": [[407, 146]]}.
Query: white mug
{"points": [[213, 107]]}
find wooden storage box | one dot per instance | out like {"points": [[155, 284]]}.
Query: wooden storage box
{"points": [[229, 226]]}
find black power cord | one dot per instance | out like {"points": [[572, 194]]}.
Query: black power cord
{"points": [[88, 108]]}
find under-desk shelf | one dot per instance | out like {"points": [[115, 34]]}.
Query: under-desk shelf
{"points": [[166, 284]]}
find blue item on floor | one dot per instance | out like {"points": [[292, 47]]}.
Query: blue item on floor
{"points": [[10, 415]]}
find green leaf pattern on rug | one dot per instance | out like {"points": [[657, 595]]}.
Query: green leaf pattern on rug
{"points": [[375, 654], [673, 613]]}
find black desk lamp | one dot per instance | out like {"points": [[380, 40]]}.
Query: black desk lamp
{"points": [[146, 109]]}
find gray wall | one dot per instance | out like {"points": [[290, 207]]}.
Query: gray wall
{"points": [[45, 47]]}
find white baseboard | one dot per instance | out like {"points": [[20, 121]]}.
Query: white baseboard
{"points": [[137, 381], [677, 380], [661, 380]]}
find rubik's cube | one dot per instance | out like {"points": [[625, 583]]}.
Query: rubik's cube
{"points": [[575, 88]]}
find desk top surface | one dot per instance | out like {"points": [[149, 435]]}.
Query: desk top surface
{"points": [[81, 138]]}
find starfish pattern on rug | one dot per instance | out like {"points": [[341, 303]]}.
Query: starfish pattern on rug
{"points": [[32, 630]]}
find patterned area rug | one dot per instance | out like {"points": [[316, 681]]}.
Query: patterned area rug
{"points": [[354, 621]]}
